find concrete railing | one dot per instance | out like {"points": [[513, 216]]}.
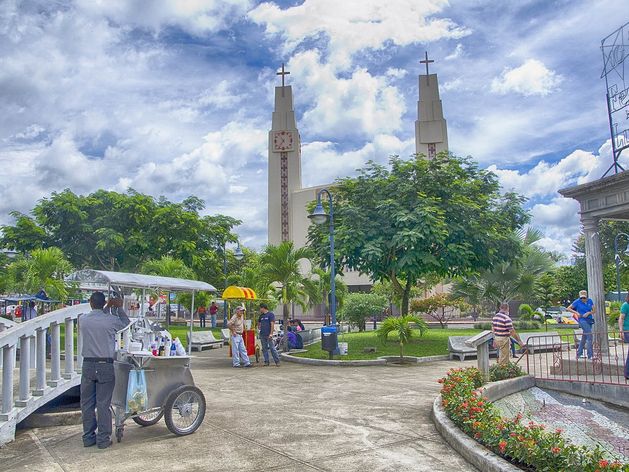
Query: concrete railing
{"points": [[23, 352]]}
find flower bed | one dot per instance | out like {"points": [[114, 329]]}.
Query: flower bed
{"points": [[525, 444]]}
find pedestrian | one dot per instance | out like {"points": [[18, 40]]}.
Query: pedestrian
{"points": [[237, 326], [502, 327], [30, 311], [98, 331], [623, 326], [202, 312], [583, 310], [213, 311], [266, 323]]}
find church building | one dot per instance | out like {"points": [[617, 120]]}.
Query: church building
{"points": [[287, 199]]}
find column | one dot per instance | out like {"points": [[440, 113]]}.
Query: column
{"points": [[596, 288], [55, 355], [69, 349], [25, 364], [8, 359], [40, 372]]}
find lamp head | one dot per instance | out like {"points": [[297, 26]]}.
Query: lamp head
{"points": [[238, 254], [318, 215]]}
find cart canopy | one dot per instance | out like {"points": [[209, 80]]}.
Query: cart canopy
{"points": [[238, 293], [98, 278]]}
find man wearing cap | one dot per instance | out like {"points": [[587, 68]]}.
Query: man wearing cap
{"points": [[98, 331], [583, 311], [266, 323], [237, 326]]}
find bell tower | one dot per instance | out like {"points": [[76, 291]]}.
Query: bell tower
{"points": [[284, 164], [431, 129]]}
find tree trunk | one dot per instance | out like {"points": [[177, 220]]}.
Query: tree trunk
{"points": [[401, 350], [405, 298]]}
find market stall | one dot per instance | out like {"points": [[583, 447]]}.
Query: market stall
{"points": [[152, 369], [245, 295]]}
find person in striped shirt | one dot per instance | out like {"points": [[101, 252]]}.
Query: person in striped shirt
{"points": [[503, 330]]}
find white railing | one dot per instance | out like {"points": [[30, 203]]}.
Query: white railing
{"points": [[39, 382]]}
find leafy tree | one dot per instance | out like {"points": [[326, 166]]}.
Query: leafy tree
{"points": [[121, 231], [43, 269], [444, 217], [401, 326], [441, 307], [281, 265], [360, 306]]}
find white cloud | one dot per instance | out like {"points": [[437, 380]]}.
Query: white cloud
{"points": [[396, 73], [195, 16], [322, 163], [361, 105], [354, 25], [458, 52], [531, 78]]}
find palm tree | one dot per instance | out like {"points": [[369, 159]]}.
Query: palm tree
{"points": [[42, 269], [401, 325], [281, 264], [319, 289]]}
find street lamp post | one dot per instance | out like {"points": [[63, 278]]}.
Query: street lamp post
{"points": [[319, 216], [238, 255], [617, 260]]}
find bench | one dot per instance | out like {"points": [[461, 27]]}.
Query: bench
{"points": [[538, 342], [202, 339], [457, 347], [226, 335]]}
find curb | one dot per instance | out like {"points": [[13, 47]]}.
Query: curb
{"points": [[361, 363], [475, 453], [47, 420]]}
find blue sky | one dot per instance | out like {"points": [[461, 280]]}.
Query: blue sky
{"points": [[175, 97]]}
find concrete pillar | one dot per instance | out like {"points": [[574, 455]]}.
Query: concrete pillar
{"points": [[596, 288], [40, 372], [55, 355], [482, 356], [8, 359], [69, 349], [25, 364]]}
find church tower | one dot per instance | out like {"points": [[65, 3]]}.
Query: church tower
{"points": [[284, 165], [431, 130]]}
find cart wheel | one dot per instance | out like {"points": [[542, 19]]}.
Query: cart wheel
{"points": [[119, 433], [150, 418], [184, 410]]}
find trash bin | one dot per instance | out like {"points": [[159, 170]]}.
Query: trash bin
{"points": [[329, 339]]}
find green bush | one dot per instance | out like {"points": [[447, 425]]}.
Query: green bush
{"points": [[523, 325], [360, 306], [614, 314], [525, 311], [502, 372], [483, 326]]}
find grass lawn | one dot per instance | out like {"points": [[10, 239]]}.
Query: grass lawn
{"points": [[433, 343]]}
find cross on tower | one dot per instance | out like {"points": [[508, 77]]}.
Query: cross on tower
{"points": [[283, 73], [426, 61]]}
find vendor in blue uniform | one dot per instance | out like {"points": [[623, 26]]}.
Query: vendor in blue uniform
{"points": [[583, 310]]}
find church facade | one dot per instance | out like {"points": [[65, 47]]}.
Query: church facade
{"points": [[287, 199]]}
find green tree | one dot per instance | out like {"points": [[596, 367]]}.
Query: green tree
{"points": [[360, 306], [402, 327], [444, 217], [440, 307], [282, 266], [319, 289], [42, 269]]}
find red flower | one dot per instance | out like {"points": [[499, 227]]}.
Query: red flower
{"points": [[502, 445], [477, 435], [603, 463], [555, 450]]}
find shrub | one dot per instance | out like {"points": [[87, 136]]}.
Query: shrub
{"points": [[527, 445], [502, 372], [482, 326], [525, 311], [526, 325], [357, 307], [614, 314]]}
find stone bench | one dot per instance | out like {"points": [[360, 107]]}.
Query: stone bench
{"points": [[203, 339], [457, 347], [538, 342]]}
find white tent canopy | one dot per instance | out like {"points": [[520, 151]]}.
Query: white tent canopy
{"points": [[99, 278]]}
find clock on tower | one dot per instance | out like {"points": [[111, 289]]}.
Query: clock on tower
{"points": [[282, 141]]}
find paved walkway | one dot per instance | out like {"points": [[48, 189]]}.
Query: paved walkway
{"points": [[292, 418]]}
